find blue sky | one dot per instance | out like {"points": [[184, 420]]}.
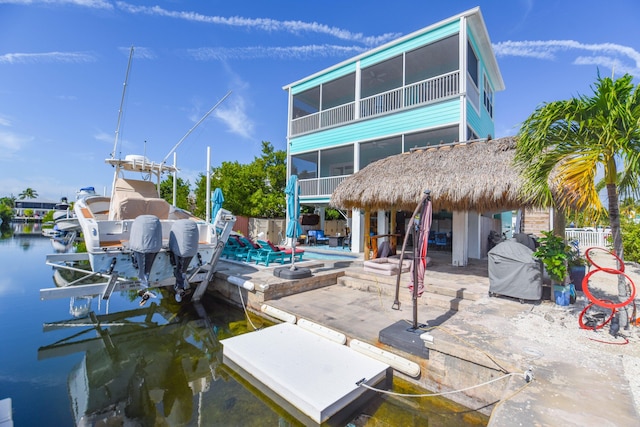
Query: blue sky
{"points": [[63, 64]]}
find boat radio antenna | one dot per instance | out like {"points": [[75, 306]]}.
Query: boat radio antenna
{"points": [[175, 147], [124, 90]]}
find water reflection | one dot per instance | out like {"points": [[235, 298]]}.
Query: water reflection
{"points": [[156, 365]]}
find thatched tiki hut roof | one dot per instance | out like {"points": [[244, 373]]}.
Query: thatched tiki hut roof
{"points": [[473, 175]]}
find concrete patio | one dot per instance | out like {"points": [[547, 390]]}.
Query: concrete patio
{"points": [[581, 377]]}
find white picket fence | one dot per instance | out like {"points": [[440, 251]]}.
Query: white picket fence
{"points": [[587, 239]]}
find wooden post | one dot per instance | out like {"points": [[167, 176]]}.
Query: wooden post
{"points": [[392, 230], [367, 238]]}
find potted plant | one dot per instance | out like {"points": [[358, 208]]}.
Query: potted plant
{"points": [[577, 267], [554, 254]]}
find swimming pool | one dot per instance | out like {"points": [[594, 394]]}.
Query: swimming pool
{"points": [[328, 255]]}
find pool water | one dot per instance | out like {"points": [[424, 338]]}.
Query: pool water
{"points": [[159, 364]]}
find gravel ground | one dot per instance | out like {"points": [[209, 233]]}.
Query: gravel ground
{"points": [[560, 323]]}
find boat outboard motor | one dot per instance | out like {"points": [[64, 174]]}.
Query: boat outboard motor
{"points": [[145, 242], [183, 246]]}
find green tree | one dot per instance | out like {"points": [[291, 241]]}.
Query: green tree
{"points": [[253, 190], [182, 192], [28, 193], [563, 145], [8, 201], [6, 213]]}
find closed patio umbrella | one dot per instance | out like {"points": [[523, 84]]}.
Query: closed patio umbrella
{"points": [[420, 232], [294, 230], [217, 200]]}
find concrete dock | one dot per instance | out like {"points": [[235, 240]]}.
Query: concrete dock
{"points": [[580, 377]]}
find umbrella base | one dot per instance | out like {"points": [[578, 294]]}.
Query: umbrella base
{"points": [[287, 273], [402, 336]]}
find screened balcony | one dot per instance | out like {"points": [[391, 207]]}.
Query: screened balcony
{"points": [[420, 93], [424, 75]]}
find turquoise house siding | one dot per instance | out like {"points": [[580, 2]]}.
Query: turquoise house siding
{"points": [[481, 124], [441, 114]]}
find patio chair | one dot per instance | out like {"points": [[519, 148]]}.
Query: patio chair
{"points": [[267, 253], [441, 241], [317, 237], [347, 241]]}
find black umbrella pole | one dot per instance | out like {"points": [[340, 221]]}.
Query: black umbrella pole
{"points": [[396, 302], [416, 254]]}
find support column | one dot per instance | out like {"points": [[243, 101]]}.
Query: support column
{"points": [[459, 242], [367, 236], [357, 231]]}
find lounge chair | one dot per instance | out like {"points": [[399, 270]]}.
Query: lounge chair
{"points": [[288, 253], [231, 248], [267, 253], [242, 248], [253, 248]]}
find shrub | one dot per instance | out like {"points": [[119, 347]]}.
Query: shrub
{"points": [[631, 240]]}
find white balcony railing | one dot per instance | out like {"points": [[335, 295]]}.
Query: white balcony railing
{"points": [[320, 186], [337, 115], [423, 92], [587, 239]]}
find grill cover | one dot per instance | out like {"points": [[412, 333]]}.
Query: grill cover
{"points": [[514, 272]]}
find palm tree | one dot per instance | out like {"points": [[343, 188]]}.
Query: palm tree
{"points": [[564, 144], [28, 193]]}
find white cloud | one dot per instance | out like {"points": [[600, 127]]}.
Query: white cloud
{"points": [[4, 121], [287, 52], [264, 24], [139, 52], [94, 4], [623, 59], [23, 58], [233, 114], [10, 143]]}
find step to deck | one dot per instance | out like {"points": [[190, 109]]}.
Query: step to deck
{"points": [[449, 298]]}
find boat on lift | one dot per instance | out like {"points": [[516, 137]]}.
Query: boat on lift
{"points": [[135, 239]]}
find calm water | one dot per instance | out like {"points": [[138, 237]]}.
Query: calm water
{"points": [[160, 364]]}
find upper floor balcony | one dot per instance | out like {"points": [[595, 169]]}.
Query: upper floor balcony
{"points": [[320, 186], [423, 92]]}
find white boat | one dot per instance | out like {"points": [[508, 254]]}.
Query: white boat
{"points": [[136, 240]]}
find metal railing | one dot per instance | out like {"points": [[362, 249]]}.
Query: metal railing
{"points": [[320, 186], [419, 93]]}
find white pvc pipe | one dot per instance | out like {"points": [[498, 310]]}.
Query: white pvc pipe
{"points": [[278, 314], [396, 362], [246, 284]]}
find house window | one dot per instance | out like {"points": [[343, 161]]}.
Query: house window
{"points": [[431, 137], [376, 150], [305, 165], [472, 64], [381, 77], [339, 91], [488, 96], [306, 103], [432, 60], [336, 161]]}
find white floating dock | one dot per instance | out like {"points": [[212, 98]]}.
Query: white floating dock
{"points": [[311, 373]]}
